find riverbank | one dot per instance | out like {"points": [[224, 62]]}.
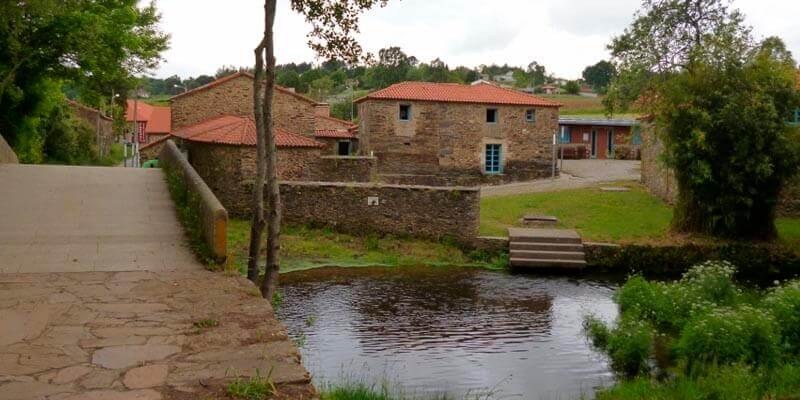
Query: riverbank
{"points": [[305, 248]]}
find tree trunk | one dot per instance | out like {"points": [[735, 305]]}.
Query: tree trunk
{"points": [[273, 189], [257, 224]]}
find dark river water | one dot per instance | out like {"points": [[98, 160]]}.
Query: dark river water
{"points": [[463, 332]]}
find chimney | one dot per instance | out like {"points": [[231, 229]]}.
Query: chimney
{"points": [[322, 110]]}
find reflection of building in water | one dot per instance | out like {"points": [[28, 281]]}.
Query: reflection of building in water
{"points": [[417, 309]]}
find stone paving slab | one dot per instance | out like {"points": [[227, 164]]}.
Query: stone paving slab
{"points": [[100, 296], [132, 335]]}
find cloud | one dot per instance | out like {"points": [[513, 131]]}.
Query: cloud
{"points": [[581, 17]]}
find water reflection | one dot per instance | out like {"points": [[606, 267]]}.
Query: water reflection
{"points": [[449, 330]]}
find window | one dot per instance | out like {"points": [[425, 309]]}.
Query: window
{"points": [[405, 112], [491, 115], [610, 144], [797, 116], [494, 163], [343, 148], [530, 115]]}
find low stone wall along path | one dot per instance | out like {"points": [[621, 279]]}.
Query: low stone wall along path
{"points": [[100, 298]]}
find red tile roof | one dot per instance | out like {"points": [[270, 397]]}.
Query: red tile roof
{"points": [[334, 133], [241, 131], [238, 75], [480, 93], [158, 118]]}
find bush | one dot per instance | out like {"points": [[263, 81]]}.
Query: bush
{"points": [[783, 303], [629, 345], [726, 336]]}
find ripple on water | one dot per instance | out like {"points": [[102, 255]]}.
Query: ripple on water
{"points": [[449, 329]]}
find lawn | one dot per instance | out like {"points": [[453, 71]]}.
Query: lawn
{"points": [[599, 216], [304, 248], [619, 217]]}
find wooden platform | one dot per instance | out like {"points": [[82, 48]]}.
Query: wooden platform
{"points": [[545, 248]]}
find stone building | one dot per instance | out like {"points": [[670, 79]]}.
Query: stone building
{"points": [[154, 121], [443, 133], [222, 150]]}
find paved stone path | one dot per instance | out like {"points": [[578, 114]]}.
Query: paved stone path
{"points": [[576, 174], [101, 299]]}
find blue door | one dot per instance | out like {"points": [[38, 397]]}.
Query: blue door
{"points": [[494, 163]]}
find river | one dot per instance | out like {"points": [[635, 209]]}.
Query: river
{"points": [[467, 333]]}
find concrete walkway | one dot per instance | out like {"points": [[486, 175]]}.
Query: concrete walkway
{"points": [[100, 298], [576, 174]]}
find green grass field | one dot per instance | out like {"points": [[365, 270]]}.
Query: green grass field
{"points": [[599, 216], [618, 217]]}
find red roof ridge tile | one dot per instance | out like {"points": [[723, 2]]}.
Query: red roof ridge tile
{"points": [[480, 93]]}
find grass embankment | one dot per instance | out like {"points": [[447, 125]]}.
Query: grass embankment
{"points": [[305, 248], [617, 217]]}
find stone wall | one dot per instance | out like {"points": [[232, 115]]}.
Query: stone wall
{"points": [[419, 211], [7, 155], [234, 96], [102, 126], [657, 177], [346, 169], [151, 150], [213, 218], [448, 140], [230, 170]]}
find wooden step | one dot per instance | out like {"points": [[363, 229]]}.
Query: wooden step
{"points": [[544, 263], [547, 255], [546, 246]]}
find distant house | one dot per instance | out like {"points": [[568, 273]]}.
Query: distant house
{"points": [[587, 91], [507, 78], [154, 121], [599, 138], [445, 133], [550, 89]]}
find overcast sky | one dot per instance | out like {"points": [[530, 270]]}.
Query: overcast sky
{"points": [[563, 35]]}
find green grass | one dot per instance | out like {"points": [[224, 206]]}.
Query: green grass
{"points": [[789, 232], [634, 216], [305, 248]]}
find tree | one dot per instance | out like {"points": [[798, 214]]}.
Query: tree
{"points": [[598, 76], [93, 46], [538, 73], [720, 104], [290, 78], [573, 87], [333, 25]]}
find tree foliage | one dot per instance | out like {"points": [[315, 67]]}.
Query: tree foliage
{"points": [[599, 75], [720, 103], [94, 46]]}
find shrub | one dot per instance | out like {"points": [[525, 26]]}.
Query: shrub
{"points": [[727, 335], [783, 303], [628, 345]]}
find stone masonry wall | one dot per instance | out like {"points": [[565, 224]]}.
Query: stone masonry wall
{"points": [[419, 211], [447, 140], [657, 177], [230, 170], [293, 112]]}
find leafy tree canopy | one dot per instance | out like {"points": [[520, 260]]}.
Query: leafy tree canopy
{"points": [[599, 75], [94, 46], [720, 103]]}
